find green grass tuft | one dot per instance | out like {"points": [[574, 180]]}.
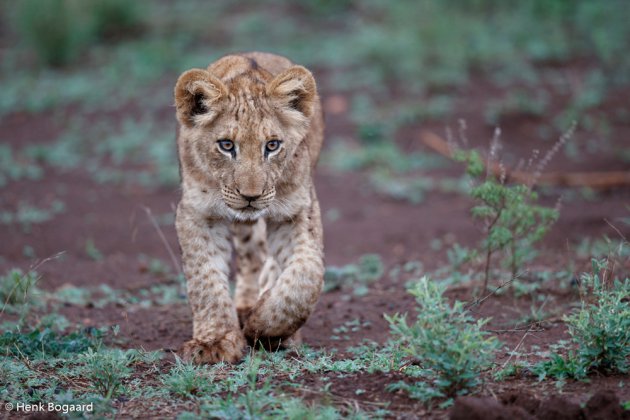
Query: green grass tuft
{"points": [[16, 287], [42, 343]]}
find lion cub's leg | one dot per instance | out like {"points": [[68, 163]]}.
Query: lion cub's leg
{"points": [[256, 272], [267, 280], [206, 252], [250, 247], [268, 275], [296, 245]]}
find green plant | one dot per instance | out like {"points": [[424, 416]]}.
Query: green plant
{"points": [[16, 379], [46, 342], [121, 154], [601, 327], [536, 314], [14, 167], [115, 18], [512, 221], [351, 326], [26, 215], [457, 270], [368, 270], [379, 154], [17, 287], [259, 399], [603, 247], [57, 30], [326, 7], [413, 188], [517, 103], [560, 367], [446, 341], [107, 368], [155, 266], [186, 380], [512, 369], [92, 251]]}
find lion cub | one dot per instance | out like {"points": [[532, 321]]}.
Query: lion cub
{"points": [[251, 129]]}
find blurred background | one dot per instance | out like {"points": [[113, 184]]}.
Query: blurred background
{"points": [[86, 106], [89, 182]]}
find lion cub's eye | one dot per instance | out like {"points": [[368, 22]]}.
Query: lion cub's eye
{"points": [[272, 146], [226, 145]]}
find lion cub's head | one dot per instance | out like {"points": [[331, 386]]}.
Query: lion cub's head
{"points": [[240, 129]]}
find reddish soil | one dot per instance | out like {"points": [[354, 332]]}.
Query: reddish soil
{"points": [[114, 218], [602, 405]]}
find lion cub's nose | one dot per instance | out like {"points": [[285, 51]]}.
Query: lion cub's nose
{"points": [[249, 196]]}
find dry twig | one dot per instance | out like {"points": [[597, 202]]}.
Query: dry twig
{"points": [[595, 180]]}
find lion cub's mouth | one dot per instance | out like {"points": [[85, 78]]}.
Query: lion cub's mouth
{"points": [[250, 208], [248, 213], [246, 206]]}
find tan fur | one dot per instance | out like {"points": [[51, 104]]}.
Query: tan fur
{"points": [[250, 99]]}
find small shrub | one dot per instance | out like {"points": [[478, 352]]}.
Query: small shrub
{"points": [[601, 327], [600, 330], [513, 222], [445, 341]]}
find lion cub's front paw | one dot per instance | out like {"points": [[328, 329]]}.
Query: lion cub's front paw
{"points": [[259, 333], [229, 349]]}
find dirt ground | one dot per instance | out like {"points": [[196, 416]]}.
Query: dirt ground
{"points": [[116, 219]]}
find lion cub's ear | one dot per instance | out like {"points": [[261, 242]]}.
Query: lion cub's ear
{"points": [[197, 95], [294, 88]]}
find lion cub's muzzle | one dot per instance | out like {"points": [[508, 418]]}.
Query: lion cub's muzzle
{"points": [[242, 202]]}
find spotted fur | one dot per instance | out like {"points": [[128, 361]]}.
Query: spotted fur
{"points": [[265, 202]]}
